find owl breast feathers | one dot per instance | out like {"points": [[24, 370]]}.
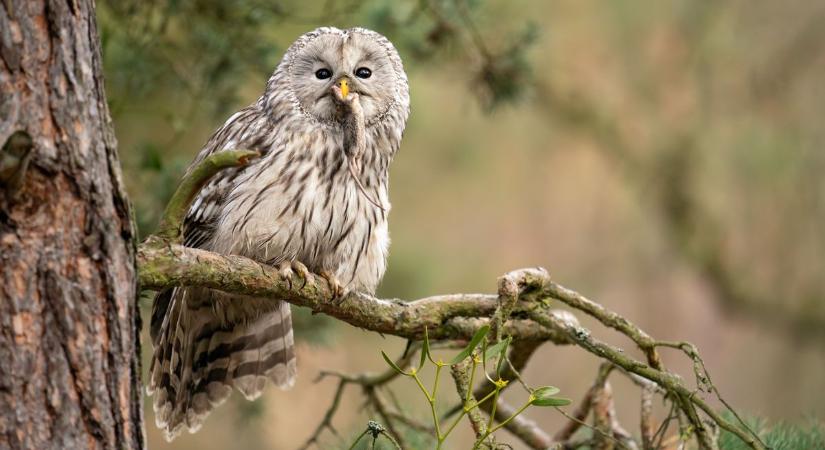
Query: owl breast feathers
{"points": [[317, 196]]}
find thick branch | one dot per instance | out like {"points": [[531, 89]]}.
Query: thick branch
{"points": [[458, 316], [163, 265]]}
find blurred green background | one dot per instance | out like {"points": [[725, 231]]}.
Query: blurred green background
{"points": [[665, 158]]}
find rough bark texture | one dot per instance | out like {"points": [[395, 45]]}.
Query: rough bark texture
{"points": [[69, 373]]}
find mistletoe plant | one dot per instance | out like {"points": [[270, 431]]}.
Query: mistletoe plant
{"points": [[479, 353]]}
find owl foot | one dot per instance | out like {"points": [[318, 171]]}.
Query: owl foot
{"points": [[288, 269], [334, 285]]}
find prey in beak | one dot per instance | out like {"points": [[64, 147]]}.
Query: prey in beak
{"points": [[341, 91], [351, 114]]}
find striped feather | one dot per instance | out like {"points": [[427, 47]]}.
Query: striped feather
{"points": [[199, 358]]}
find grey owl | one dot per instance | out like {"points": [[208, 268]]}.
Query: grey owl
{"points": [[327, 126]]}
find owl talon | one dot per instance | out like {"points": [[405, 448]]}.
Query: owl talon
{"points": [[286, 273], [303, 272], [288, 269], [334, 285]]}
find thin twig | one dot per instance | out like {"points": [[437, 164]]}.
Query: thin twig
{"points": [[326, 422], [646, 417], [659, 436], [604, 420], [588, 426], [666, 380], [410, 422], [381, 408], [583, 410], [365, 380], [522, 427]]}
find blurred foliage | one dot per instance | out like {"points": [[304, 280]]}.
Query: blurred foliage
{"points": [[311, 328], [198, 50], [197, 53], [195, 50], [780, 436]]}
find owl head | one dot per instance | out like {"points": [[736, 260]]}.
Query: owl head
{"points": [[356, 59]]}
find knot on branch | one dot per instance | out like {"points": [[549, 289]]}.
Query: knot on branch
{"points": [[511, 286]]}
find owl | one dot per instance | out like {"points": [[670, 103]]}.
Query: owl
{"points": [[327, 126]]}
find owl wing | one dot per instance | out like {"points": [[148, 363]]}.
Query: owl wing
{"points": [[251, 129], [198, 358], [248, 129]]}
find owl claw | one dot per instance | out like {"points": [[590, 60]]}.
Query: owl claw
{"points": [[286, 273], [303, 272], [334, 285], [288, 269]]}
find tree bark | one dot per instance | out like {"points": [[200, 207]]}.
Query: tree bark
{"points": [[69, 344]]}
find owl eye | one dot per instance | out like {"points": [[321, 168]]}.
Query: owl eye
{"points": [[323, 74], [363, 72]]}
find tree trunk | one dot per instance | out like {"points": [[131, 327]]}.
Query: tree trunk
{"points": [[69, 344]]}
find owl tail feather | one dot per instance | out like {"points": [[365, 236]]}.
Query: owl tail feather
{"points": [[197, 360]]}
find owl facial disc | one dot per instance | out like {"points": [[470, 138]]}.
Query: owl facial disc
{"points": [[354, 61]]}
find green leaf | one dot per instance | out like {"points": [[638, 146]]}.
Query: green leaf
{"points": [[472, 345], [425, 350], [392, 364], [543, 396], [551, 401], [498, 349], [545, 391]]}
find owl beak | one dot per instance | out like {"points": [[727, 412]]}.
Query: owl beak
{"points": [[343, 83]]}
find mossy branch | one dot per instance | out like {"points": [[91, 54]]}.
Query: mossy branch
{"points": [[172, 220], [458, 316]]}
